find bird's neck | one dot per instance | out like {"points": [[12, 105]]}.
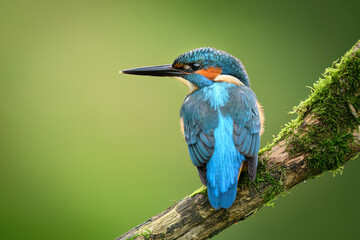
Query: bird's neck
{"points": [[217, 94]]}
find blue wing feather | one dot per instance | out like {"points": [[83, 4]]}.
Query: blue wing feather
{"points": [[193, 157], [245, 143], [241, 137], [203, 150], [205, 139]]}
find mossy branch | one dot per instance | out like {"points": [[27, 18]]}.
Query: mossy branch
{"points": [[323, 137]]}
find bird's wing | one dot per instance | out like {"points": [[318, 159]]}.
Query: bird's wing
{"points": [[247, 142], [201, 146], [247, 126], [199, 121]]}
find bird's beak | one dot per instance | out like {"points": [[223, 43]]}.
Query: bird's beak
{"points": [[159, 71]]}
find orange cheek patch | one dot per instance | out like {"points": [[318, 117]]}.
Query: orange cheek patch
{"points": [[211, 73]]}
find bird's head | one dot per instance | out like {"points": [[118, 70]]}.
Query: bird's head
{"points": [[200, 68]]}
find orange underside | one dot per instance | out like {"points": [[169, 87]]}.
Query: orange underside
{"points": [[243, 168]]}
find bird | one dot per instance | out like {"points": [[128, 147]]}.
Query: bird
{"points": [[220, 118]]}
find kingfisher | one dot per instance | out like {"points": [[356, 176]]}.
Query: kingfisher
{"points": [[220, 118]]}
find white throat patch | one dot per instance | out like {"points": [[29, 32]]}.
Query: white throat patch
{"points": [[192, 87]]}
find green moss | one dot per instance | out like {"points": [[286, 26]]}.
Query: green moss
{"points": [[202, 190], [275, 181], [145, 234], [335, 102]]}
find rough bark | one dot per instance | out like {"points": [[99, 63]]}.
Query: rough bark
{"points": [[283, 168]]}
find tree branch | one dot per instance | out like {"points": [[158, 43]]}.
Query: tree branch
{"points": [[323, 137]]}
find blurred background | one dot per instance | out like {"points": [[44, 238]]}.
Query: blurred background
{"points": [[87, 153]]}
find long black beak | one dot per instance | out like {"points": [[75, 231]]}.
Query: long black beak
{"points": [[160, 71]]}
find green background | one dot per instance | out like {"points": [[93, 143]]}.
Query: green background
{"points": [[87, 153]]}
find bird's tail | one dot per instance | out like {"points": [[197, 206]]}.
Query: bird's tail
{"points": [[222, 200], [222, 184]]}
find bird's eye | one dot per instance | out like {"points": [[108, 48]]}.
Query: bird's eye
{"points": [[192, 67], [196, 66]]}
